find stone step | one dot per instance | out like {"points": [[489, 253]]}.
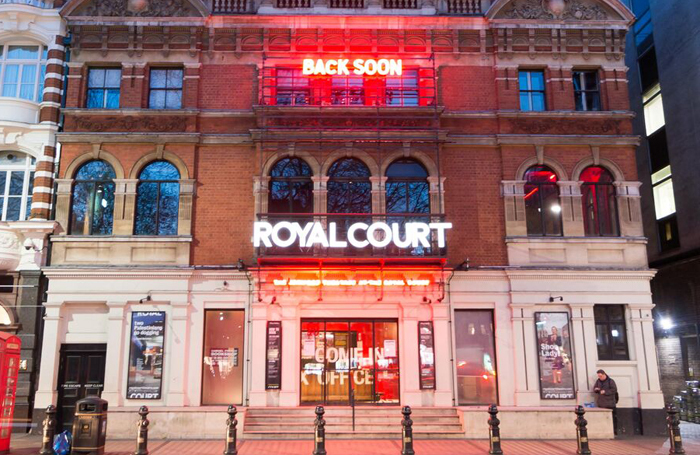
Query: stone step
{"points": [[391, 420], [372, 434], [348, 410], [347, 426]]}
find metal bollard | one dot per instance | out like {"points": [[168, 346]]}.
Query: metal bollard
{"points": [[581, 432], [231, 425], [142, 440], [49, 431], [407, 428], [674, 430], [494, 432], [319, 432]]}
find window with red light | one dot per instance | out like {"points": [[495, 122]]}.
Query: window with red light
{"points": [[542, 207], [291, 87], [599, 202]]}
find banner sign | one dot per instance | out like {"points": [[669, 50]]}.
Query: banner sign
{"points": [[379, 235], [555, 359], [146, 355], [273, 368], [426, 352]]}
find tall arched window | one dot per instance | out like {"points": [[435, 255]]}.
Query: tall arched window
{"points": [[542, 207], [291, 188], [158, 199], [407, 189], [16, 184], [349, 188], [92, 212], [599, 204]]}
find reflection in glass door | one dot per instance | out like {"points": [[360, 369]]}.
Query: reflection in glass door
{"points": [[340, 358]]}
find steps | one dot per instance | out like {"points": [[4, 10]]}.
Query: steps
{"points": [[371, 422]]}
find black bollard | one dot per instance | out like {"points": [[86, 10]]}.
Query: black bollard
{"points": [[319, 432], [674, 430], [494, 432], [581, 432], [231, 425], [49, 431], [407, 428], [142, 440]]}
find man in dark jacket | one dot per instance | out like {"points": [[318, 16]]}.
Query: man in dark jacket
{"points": [[606, 389]]}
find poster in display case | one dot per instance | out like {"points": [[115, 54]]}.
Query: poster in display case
{"points": [[146, 355], [555, 357], [426, 354], [273, 368]]}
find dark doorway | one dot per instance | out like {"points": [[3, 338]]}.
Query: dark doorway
{"points": [[80, 373]]}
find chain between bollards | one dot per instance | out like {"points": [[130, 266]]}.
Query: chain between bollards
{"points": [[494, 432], [407, 429], [674, 430], [319, 432], [231, 436], [142, 439], [581, 432], [49, 431]]}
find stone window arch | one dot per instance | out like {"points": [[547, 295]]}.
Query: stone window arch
{"points": [[542, 204], [407, 187], [349, 186], [92, 199], [599, 202], [291, 188], [157, 199]]}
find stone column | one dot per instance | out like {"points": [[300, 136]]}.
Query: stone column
{"points": [[50, 355], [124, 206], [585, 349], [571, 208], [257, 395], [28, 315], [321, 189], [114, 361], [525, 351], [442, 340], [178, 365], [63, 195], [261, 193], [629, 208], [377, 190], [184, 222], [514, 204], [291, 355], [437, 194]]}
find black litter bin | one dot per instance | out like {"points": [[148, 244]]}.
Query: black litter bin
{"points": [[90, 426]]}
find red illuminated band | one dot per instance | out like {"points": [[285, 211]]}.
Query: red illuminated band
{"points": [[360, 67]]}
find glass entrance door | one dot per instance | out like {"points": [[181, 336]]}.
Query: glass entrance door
{"points": [[342, 359]]}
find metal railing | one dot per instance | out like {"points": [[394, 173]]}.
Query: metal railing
{"points": [[343, 221], [401, 4], [468, 7], [293, 4], [346, 3], [229, 6]]}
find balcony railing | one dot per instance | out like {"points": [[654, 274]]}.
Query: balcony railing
{"points": [[293, 3], [229, 6], [36, 3], [468, 7], [401, 4], [339, 232], [347, 3]]}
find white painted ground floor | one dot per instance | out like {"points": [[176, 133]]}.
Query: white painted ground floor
{"points": [[188, 342]]}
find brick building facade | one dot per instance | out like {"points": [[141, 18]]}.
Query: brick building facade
{"points": [[194, 130]]}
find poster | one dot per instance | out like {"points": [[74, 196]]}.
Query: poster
{"points": [[273, 368], [555, 358], [426, 355], [146, 355]]}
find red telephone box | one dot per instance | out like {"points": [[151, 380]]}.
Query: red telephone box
{"points": [[9, 367]]}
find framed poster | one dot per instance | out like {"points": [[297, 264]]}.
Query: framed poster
{"points": [[273, 367], [426, 355], [146, 355], [555, 358]]}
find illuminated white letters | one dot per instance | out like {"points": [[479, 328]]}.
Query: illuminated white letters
{"points": [[379, 235], [360, 67]]}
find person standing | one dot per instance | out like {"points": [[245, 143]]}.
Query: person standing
{"points": [[606, 389]]}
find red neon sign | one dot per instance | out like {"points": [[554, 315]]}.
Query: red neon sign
{"points": [[360, 67]]}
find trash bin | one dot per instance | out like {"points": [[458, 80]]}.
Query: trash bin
{"points": [[90, 426], [683, 408], [696, 403]]}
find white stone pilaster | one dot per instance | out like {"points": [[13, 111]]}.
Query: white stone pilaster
{"points": [[257, 394], [117, 342], [525, 352], [50, 355], [179, 340]]}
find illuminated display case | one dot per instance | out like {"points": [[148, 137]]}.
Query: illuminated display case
{"points": [[9, 360]]}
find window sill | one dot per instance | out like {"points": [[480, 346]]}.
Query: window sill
{"points": [[552, 239], [128, 111], [122, 238]]}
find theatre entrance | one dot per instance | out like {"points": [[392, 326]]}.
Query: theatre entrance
{"points": [[346, 361]]}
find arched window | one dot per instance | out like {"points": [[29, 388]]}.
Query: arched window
{"points": [[291, 188], [407, 189], [542, 207], [599, 204], [349, 188], [93, 199], [158, 199], [16, 185]]}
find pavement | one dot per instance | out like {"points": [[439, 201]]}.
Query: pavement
{"points": [[29, 445]]}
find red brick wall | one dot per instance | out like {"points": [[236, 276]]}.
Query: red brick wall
{"points": [[467, 88], [228, 87]]}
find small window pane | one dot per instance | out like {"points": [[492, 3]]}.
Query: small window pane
{"points": [[654, 114], [158, 78], [523, 80], [96, 78], [113, 78], [525, 102], [664, 200], [174, 79], [476, 357], [94, 98], [538, 101], [112, 99], [147, 208], [157, 99], [160, 170], [173, 99], [14, 205], [10, 80], [16, 183], [23, 53], [536, 80]]}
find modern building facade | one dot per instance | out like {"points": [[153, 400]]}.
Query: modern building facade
{"points": [[284, 204], [663, 92], [31, 77]]}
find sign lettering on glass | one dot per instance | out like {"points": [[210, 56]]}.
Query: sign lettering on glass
{"points": [[273, 368], [426, 353], [554, 353], [359, 67], [146, 355], [379, 235]]}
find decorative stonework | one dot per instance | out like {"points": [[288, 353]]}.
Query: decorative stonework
{"points": [[155, 124], [140, 8], [556, 9], [565, 126]]}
